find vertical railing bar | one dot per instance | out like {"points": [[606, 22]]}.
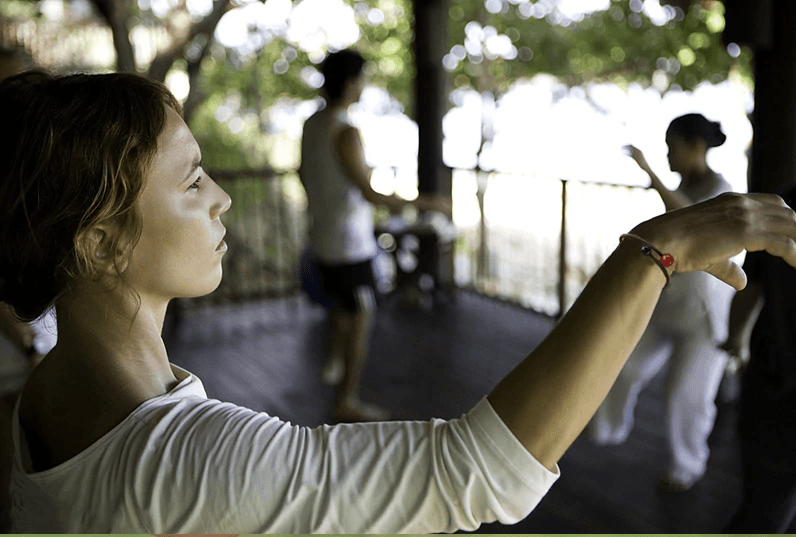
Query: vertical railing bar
{"points": [[562, 255], [280, 223]]}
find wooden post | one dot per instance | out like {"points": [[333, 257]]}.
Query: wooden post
{"points": [[766, 27], [431, 44], [430, 105], [562, 254]]}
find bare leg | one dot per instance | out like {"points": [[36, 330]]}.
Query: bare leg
{"points": [[334, 368], [356, 329]]}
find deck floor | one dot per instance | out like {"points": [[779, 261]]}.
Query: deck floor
{"points": [[266, 355]]}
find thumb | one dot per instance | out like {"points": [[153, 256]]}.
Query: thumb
{"points": [[730, 273]]}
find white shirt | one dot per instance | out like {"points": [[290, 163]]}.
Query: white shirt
{"points": [[183, 463], [341, 231], [697, 297]]}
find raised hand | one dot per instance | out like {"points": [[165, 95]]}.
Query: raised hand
{"points": [[636, 154], [705, 236]]}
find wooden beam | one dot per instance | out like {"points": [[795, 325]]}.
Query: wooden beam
{"points": [[430, 45], [766, 27]]}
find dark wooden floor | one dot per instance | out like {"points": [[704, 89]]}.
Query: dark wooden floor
{"points": [[266, 356]]}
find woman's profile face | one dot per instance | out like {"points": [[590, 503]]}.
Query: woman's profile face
{"points": [[180, 249], [681, 153], [354, 87]]}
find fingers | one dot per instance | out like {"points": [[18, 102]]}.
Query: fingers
{"points": [[730, 273], [778, 245], [771, 224], [772, 199]]}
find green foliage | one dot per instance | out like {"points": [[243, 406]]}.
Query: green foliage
{"points": [[18, 9], [620, 44], [280, 70]]}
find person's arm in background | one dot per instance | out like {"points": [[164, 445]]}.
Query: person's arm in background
{"points": [[672, 199], [348, 147], [548, 399], [744, 311]]}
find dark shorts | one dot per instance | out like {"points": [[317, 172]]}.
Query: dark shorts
{"points": [[350, 287]]}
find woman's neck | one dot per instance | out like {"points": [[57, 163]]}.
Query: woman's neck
{"points": [[108, 330], [697, 173]]}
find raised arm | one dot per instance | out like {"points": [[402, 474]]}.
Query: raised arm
{"points": [[348, 147], [547, 400], [672, 199]]}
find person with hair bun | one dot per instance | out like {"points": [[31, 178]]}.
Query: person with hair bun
{"points": [[108, 215], [688, 322]]}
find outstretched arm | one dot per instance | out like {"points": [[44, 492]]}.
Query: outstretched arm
{"points": [[348, 147], [672, 199], [547, 400]]}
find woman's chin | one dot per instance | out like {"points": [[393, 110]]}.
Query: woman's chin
{"points": [[204, 290]]}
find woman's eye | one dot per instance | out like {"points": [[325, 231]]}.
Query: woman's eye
{"points": [[195, 184]]}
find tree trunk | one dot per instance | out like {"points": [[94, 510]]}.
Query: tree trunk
{"points": [[115, 14], [164, 60]]}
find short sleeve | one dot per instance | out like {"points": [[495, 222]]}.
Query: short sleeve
{"points": [[211, 467]]}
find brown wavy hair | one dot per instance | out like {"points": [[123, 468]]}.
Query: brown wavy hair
{"points": [[74, 153]]}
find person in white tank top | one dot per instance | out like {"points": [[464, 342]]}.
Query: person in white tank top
{"points": [[337, 181]]}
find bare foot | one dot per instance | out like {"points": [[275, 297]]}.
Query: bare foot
{"points": [[673, 483], [333, 371], [351, 412]]}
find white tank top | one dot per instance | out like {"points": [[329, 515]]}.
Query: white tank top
{"points": [[341, 231]]}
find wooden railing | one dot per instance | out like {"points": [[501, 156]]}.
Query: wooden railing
{"points": [[544, 238]]}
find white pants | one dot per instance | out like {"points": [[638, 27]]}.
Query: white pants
{"points": [[696, 370]]}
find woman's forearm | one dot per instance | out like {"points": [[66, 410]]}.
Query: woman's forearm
{"points": [[672, 199], [549, 398]]}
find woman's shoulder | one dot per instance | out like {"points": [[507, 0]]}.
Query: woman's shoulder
{"points": [[64, 409]]}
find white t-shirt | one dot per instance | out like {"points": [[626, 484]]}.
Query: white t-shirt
{"points": [[183, 463], [341, 231]]}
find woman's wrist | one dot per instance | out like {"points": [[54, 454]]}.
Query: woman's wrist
{"points": [[665, 261], [636, 250], [655, 233]]}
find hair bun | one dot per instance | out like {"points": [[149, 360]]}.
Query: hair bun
{"points": [[718, 137]]}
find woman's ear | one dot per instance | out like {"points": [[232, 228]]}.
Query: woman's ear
{"points": [[98, 247]]}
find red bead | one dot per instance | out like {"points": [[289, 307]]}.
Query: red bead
{"points": [[667, 260]]}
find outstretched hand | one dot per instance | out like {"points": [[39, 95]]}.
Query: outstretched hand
{"points": [[706, 235], [636, 154]]}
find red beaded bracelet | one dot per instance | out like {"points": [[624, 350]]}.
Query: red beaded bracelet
{"points": [[662, 260]]}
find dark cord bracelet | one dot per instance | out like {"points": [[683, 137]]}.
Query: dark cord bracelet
{"points": [[662, 260]]}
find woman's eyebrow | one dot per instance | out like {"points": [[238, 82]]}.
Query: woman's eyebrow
{"points": [[195, 165]]}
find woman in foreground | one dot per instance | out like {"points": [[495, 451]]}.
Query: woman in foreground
{"points": [[109, 215]]}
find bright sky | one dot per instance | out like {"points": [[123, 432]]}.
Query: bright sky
{"points": [[541, 128], [571, 136]]}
